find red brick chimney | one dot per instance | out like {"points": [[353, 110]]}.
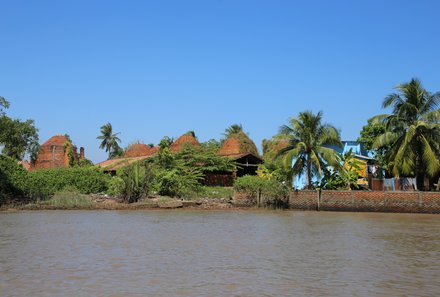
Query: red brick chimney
{"points": [[81, 153]]}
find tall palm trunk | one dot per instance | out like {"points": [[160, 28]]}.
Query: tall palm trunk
{"points": [[309, 174], [419, 173]]}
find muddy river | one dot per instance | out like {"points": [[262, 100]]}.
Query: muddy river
{"points": [[218, 253]]}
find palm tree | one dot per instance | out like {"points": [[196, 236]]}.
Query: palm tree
{"points": [[233, 129], [412, 132], [109, 141], [309, 143]]}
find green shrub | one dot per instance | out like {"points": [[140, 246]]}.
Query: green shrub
{"points": [[175, 183], [12, 179], [215, 192], [274, 192], [43, 183], [116, 186], [249, 184], [69, 200], [137, 179]]}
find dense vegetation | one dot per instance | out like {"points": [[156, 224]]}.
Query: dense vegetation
{"points": [[16, 182], [404, 143], [169, 174]]}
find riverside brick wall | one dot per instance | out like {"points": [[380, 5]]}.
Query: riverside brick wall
{"points": [[375, 201]]}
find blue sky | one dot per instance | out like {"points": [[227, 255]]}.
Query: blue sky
{"points": [[156, 68]]}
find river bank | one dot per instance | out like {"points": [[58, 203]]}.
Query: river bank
{"points": [[316, 200], [103, 202]]}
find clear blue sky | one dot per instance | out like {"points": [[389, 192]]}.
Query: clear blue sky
{"points": [[156, 68]]}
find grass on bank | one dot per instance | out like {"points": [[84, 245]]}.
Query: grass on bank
{"points": [[206, 192], [65, 200]]}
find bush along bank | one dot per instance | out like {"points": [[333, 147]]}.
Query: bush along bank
{"points": [[257, 191], [18, 186]]}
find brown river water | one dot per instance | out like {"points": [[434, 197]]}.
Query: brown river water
{"points": [[218, 253]]}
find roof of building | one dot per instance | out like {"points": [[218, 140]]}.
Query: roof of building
{"points": [[238, 144], [117, 163], [180, 142], [139, 150], [57, 140]]}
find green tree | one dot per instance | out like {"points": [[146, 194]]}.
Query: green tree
{"points": [[274, 167], [17, 137], [232, 130], [4, 104], [345, 174], [211, 145], [370, 132], [368, 136], [110, 141], [309, 142], [412, 133]]}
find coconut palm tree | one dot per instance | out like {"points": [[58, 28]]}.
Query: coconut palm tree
{"points": [[412, 132], [233, 129], [309, 142], [109, 141]]}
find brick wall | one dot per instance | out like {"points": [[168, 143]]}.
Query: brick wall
{"points": [[374, 201]]}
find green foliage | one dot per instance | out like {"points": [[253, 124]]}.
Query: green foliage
{"points": [[137, 179], [4, 104], [116, 187], [370, 132], [85, 163], [412, 133], [345, 174], [180, 174], [12, 179], [164, 157], [17, 137], [43, 183], [215, 192], [110, 141], [165, 142], [276, 170], [179, 182], [249, 184], [233, 130], [308, 145], [205, 159], [274, 192], [211, 145], [368, 136], [68, 146], [66, 199]]}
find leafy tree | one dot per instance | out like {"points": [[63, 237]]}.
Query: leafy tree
{"points": [[211, 145], [412, 132], [273, 167], [309, 142], [110, 141], [165, 157], [17, 137], [370, 132], [4, 104], [368, 136], [345, 174], [12, 179], [166, 142]]}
